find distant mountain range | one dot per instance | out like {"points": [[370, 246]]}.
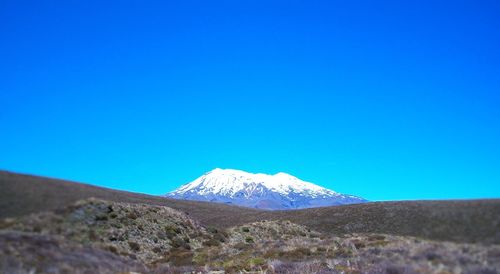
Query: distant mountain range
{"points": [[263, 191]]}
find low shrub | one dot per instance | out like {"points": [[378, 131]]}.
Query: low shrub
{"points": [[113, 249], [211, 242], [257, 261], [376, 237], [132, 215], [341, 252], [321, 249], [201, 258], [297, 254], [212, 230], [171, 231], [220, 237], [177, 242], [156, 249], [161, 235], [378, 243], [242, 246], [101, 217], [134, 246], [179, 257], [359, 244], [273, 253]]}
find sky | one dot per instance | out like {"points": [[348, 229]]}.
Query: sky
{"points": [[388, 100]]}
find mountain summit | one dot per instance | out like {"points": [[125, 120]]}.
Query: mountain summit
{"points": [[279, 191]]}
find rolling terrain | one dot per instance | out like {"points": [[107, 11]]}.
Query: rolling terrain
{"points": [[98, 236], [24, 194], [460, 221], [55, 226]]}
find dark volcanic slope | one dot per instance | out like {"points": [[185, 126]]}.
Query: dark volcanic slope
{"points": [[460, 221], [23, 194]]}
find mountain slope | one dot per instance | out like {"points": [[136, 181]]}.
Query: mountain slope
{"points": [[22, 194], [473, 221], [262, 191]]}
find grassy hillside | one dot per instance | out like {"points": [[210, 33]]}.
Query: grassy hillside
{"points": [[459, 221]]}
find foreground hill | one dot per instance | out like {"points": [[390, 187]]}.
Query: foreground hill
{"points": [[24, 194], [98, 236], [475, 221]]}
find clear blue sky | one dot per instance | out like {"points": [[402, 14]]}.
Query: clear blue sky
{"points": [[392, 100]]}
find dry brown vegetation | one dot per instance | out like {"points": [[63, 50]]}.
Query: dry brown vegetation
{"points": [[24, 194], [108, 237], [471, 221], [131, 230], [50, 229]]}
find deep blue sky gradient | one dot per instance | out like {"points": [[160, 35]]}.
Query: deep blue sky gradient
{"points": [[393, 100]]}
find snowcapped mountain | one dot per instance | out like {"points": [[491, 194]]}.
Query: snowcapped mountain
{"points": [[279, 191]]}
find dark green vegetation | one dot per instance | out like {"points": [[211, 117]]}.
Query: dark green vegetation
{"points": [[460, 221], [54, 226]]}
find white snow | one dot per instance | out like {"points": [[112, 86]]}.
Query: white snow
{"points": [[227, 182]]}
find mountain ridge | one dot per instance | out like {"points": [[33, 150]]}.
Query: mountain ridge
{"points": [[262, 191]]}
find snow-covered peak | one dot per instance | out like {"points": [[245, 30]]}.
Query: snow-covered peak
{"points": [[228, 182], [263, 191]]}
